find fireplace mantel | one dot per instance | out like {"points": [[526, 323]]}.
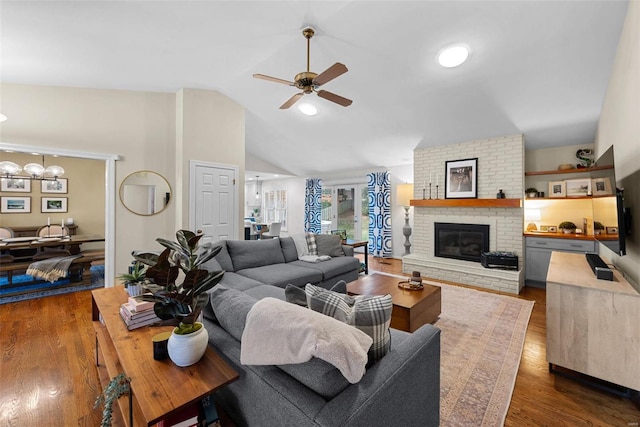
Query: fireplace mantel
{"points": [[467, 203]]}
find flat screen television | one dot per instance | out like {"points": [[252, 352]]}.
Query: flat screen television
{"points": [[608, 205]]}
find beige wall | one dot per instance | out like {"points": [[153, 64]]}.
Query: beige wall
{"points": [[138, 126], [85, 194], [619, 126]]}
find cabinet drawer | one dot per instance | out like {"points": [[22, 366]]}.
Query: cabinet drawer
{"points": [[561, 244]]}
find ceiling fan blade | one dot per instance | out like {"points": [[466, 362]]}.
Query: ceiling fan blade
{"points": [[291, 101], [273, 79], [330, 73], [334, 98]]}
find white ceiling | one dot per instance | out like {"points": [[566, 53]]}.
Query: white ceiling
{"points": [[539, 67]]}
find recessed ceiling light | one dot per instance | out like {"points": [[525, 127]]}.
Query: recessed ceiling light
{"points": [[452, 56], [308, 109]]}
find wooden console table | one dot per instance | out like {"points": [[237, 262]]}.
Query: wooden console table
{"points": [[592, 325], [360, 244], [158, 388]]}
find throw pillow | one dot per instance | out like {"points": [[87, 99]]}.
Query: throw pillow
{"points": [[296, 295], [369, 313], [311, 243], [329, 244], [301, 244]]}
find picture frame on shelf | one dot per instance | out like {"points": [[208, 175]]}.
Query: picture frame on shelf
{"points": [[611, 230], [15, 185], [58, 186], [10, 204], [557, 189], [544, 228], [54, 205], [601, 186], [578, 187], [461, 179], [552, 229]]}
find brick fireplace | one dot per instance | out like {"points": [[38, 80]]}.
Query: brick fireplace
{"points": [[500, 167]]}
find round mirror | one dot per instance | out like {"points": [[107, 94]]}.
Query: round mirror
{"points": [[145, 192]]}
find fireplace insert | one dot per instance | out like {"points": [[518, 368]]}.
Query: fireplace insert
{"points": [[461, 241]]}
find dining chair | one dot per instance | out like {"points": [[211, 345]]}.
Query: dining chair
{"points": [[5, 256], [274, 231], [52, 251]]}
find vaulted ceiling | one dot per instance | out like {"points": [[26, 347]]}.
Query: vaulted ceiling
{"points": [[536, 67]]}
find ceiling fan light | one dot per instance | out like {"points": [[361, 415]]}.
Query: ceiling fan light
{"points": [[453, 56], [308, 109], [34, 169], [54, 171], [9, 168]]}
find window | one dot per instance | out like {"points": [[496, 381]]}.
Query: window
{"points": [[274, 207]]}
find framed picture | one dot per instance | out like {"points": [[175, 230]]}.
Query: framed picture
{"points": [[557, 189], [461, 179], [16, 185], [611, 230], [15, 204], [578, 187], [601, 186], [552, 229], [57, 186], [54, 204]]}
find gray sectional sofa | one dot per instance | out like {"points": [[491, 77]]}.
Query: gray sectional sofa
{"points": [[401, 389]]}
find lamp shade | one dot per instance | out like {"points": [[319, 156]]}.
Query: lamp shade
{"points": [[405, 194]]}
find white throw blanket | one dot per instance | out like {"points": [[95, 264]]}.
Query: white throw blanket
{"points": [[278, 333], [51, 269], [314, 258]]}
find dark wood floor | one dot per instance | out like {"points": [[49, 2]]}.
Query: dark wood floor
{"points": [[48, 376]]}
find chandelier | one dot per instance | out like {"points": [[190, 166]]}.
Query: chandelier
{"points": [[36, 171]]}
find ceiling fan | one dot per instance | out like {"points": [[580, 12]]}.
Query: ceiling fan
{"points": [[308, 81]]}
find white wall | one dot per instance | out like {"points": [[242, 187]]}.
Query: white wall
{"points": [[619, 126]]}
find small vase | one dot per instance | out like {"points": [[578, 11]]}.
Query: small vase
{"points": [[134, 290], [185, 350]]}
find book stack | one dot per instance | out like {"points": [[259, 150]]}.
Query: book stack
{"points": [[136, 313]]}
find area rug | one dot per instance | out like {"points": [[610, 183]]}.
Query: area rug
{"points": [[481, 344], [41, 289]]}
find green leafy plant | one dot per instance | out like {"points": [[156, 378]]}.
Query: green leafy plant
{"points": [[118, 386], [136, 277], [531, 190], [567, 225], [184, 300], [598, 225]]}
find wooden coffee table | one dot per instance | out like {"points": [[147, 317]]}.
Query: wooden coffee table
{"points": [[160, 388], [411, 308]]}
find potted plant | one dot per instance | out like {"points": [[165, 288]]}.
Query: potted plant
{"points": [[135, 280], [182, 300], [597, 227], [531, 192], [567, 227]]}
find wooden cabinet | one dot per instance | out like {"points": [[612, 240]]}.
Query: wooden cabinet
{"points": [[31, 230], [592, 325], [538, 253]]}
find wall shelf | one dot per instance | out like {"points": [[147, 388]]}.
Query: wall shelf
{"points": [[467, 203], [575, 170]]}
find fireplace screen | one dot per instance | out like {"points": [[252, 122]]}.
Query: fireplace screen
{"points": [[461, 241]]}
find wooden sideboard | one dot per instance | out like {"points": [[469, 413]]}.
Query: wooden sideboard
{"points": [[31, 230], [592, 325]]}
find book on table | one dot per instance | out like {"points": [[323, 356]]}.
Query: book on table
{"points": [[134, 319], [137, 304]]}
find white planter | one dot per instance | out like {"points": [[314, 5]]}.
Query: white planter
{"points": [[185, 350], [134, 290]]}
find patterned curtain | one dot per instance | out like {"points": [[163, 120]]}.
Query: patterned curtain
{"points": [[379, 214], [312, 205]]}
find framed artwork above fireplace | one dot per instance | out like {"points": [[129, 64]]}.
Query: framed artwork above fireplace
{"points": [[461, 179]]}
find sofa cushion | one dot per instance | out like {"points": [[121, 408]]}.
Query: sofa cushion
{"points": [[301, 244], [331, 268], [289, 249], [296, 295], [282, 274], [238, 282], [369, 313], [230, 308], [223, 257], [329, 244], [264, 291], [311, 243], [254, 253]]}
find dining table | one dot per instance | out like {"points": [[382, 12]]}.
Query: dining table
{"points": [[72, 242]]}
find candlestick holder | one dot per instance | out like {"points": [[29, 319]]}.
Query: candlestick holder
{"points": [[423, 193], [430, 191], [48, 230], [436, 191]]}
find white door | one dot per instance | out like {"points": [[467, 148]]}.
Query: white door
{"points": [[213, 201], [349, 209]]}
